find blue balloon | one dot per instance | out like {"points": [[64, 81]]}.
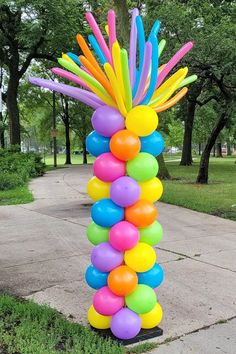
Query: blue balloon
{"points": [[152, 144], [106, 213], [97, 144], [153, 277], [95, 278]]}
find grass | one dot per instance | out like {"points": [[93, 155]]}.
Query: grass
{"points": [[216, 198], [28, 328], [75, 159], [19, 195]]}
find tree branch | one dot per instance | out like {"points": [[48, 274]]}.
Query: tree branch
{"points": [[202, 103]]}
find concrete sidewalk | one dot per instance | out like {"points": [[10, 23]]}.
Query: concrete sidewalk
{"points": [[44, 253]]}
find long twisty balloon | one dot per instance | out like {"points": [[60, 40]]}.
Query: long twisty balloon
{"points": [[126, 92]]}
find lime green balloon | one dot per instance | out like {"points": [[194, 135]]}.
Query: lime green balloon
{"points": [[97, 234], [142, 299], [143, 167], [151, 234]]}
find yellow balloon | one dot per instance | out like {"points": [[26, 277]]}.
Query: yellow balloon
{"points": [[98, 321], [141, 120], [140, 258], [151, 190], [152, 318], [98, 189]]}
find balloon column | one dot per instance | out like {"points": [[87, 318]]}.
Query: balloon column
{"points": [[126, 93]]}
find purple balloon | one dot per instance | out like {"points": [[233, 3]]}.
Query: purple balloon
{"points": [[107, 121], [105, 258], [124, 191], [125, 324]]}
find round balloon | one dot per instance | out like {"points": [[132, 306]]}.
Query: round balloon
{"points": [[108, 168], [141, 120], [153, 277], [151, 190], [142, 299], [123, 236], [107, 121], [141, 214], [97, 234], [106, 303], [97, 144], [125, 324], [152, 144], [125, 145], [98, 189], [143, 167], [140, 258], [98, 321], [151, 234], [125, 191], [105, 258], [106, 213], [122, 280], [152, 318], [95, 278]]}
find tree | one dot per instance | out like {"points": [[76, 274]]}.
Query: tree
{"points": [[33, 30]]}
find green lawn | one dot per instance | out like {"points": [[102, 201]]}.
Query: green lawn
{"points": [[75, 159], [28, 328], [19, 195], [217, 198]]}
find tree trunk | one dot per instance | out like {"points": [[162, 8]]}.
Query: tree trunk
{"points": [[163, 172], [67, 133], [85, 160], [186, 158], [204, 163], [199, 149], [13, 109], [2, 137], [123, 21], [229, 151], [214, 150], [219, 150]]}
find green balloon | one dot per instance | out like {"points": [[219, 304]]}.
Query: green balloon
{"points": [[97, 234], [142, 299], [143, 167], [151, 234]]}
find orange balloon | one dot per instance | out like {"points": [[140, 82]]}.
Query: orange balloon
{"points": [[143, 213], [125, 145], [122, 280]]}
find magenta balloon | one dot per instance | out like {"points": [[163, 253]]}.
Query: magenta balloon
{"points": [[74, 92], [133, 47], [107, 121], [124, 191], [108, 168], [71, 77], [105, 258], [123, 236], [125, 324], [106, 303], [144, 74], [173, 61]]}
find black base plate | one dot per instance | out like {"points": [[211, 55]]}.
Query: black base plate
{"points": [[144, 334]]}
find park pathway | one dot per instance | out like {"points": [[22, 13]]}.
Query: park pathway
{"points": [[44, 254]]}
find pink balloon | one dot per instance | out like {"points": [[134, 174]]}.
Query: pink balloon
{"points": [[173, 61], [96, 30], [71, 77], [108, 168], [123, 236], [111, 20], [106, 303]]}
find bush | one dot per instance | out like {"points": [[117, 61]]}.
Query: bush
{"points": [[10, 181], [16, 168]]}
